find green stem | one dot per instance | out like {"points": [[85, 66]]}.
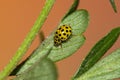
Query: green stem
{"points": [[28, 40]]}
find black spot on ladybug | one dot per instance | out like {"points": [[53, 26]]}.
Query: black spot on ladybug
{"points": [[62, 30], [59, 34], [64, 33], [66, 27], [67, 35], [59, 28], [66, 30], [56, 32]]}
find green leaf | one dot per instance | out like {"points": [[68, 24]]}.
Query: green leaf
{"points": [[72, 9], [106, 69], [42, 70], [98, 51], [34, 57], [78, 20], [67, 49], [113, 5]]}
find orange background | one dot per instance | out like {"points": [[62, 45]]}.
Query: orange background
{"points": [[18, 16]]}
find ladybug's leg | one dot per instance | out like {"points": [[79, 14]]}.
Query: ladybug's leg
{"points": [[60, 45]]}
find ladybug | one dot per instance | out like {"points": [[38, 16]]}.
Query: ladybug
{"points": [[62, 34]]}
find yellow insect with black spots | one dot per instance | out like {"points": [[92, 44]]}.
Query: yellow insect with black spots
{"points": [[62, 34]]}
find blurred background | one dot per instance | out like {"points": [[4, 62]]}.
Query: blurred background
{"points": [[18, 16]]}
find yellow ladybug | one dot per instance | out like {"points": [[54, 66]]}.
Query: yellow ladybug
{"points": [[62, 34]]}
